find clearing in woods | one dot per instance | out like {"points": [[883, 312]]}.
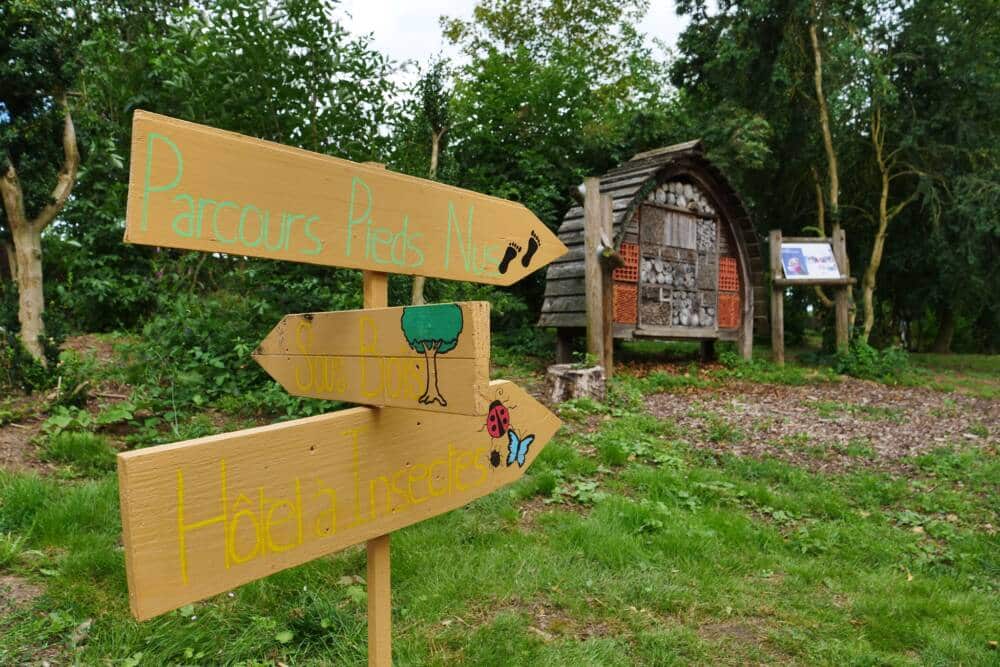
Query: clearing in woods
{"points": [[713, 516]]}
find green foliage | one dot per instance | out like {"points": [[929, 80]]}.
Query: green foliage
{"points": [[18, 369], [433, 328], [763, 370], [289, 72], [197, 352], [39, 62], [863, 361], [67, 418]]}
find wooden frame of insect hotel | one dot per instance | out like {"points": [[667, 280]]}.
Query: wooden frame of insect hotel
{"points": [[687, 261]]}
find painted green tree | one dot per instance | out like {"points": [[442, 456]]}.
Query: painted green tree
{"points": [[432, 330]]}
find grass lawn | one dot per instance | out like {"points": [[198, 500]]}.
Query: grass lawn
{"points": [[634, 539]]}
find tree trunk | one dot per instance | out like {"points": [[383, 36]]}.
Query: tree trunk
{"points": [[417, 293], [831, 153], [27, 235], [885, 215], [824, 123], [821, 225], [31, 302], [10, 262], [946, 331], [878, 246]]}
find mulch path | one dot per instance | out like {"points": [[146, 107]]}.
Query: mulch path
{"points": [[815, 426]]}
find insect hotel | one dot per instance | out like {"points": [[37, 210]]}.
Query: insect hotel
{"points": [[688, 260]]}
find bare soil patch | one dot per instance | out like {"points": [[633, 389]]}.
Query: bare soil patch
{"points": [[830, 427], [16, 451], [103, 351], [16, 592]]}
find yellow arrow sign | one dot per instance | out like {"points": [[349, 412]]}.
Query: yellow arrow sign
{"points": [[434, 357], [203, 516], [200, 188]]}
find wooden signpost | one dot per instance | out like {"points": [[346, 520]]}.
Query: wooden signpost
{"points": [[199, 188], [436, 357], [203, 516], [808, 261]]}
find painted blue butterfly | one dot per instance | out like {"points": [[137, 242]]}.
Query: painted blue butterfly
{"points": [[517, 448]]}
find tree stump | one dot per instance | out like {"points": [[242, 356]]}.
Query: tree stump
{"points": [[566, 381]]}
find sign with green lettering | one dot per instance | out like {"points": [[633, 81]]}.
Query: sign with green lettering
{"points": [[199, 188]]}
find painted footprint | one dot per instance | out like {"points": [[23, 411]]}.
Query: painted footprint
{"points": [[512, 251], [533, 244]]}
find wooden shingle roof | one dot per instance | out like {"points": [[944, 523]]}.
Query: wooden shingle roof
{"points": [[628, 185]]}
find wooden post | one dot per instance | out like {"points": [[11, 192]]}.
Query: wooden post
{"points": [[375, 291], [592, 268], [607, 290], [376, 295], [777, 301], [564, 345], [841, 299]]}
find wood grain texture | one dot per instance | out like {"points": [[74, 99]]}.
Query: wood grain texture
{"points": [[842, 296], [607, 295], [777, 300], [203, 516], [379, 581], [594, 297], [375, 289], [199, 188], [365, 356]]}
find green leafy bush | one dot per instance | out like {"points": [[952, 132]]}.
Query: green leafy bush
{"points": [[67, 418], [762, 370], [861, 360], [18, 369], [197, 352]]}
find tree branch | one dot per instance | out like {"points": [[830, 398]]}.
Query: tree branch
{"points": [[824, 121], [67, 175], [821, 225], [13, 198], [898, 208]]}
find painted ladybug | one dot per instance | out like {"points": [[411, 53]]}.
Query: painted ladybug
{"points": [[497, 419]]}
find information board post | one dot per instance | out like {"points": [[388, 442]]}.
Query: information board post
{"points": [[841, 300], [777, 301], [808, 261]]}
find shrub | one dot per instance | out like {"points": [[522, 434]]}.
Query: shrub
{"points": [[18, 369], [861, 360]]}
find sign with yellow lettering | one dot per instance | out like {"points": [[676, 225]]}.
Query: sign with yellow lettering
{"points": [[434, 357], [203, 516], [199, 188]]}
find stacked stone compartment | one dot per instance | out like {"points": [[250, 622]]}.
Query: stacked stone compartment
{"points": [[678, 269]]}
